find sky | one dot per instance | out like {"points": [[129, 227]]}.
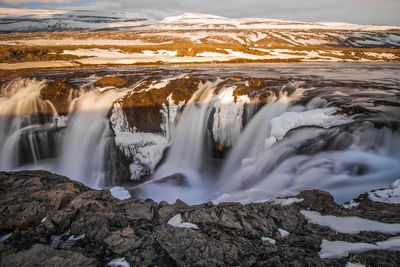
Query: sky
{"points": [[354, 11]]}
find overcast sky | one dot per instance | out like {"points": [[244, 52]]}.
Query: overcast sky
{"points": [[355, 11]]}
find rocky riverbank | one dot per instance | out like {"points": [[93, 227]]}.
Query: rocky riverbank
{"points": [[50, 220]]}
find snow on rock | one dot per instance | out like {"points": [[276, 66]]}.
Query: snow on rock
{"points": [[283, 233], [270, 240], [121, 262], [145, 150], [318, 117], [176, 221], [286, 201], [389, 195], [5, 237], [73, 238], [120, 193], [350, 205], [351, 224], [339, 249], [350, 264], [228, 116]]}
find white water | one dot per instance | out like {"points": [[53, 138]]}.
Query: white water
{"points": [[20, 105], [87, 138], [187, 145], [284, 148]]}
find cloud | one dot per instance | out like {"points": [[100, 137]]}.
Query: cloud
{"points": [[356, 11]]}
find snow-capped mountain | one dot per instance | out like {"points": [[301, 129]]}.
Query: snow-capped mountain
{"points": [[39, 20]]}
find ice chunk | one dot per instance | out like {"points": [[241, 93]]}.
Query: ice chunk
{"points": [[177, 222], [350, 225], [338, 249], [317, 117], [120, 193]]}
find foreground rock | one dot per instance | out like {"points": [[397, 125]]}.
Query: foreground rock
{"points": [[46, 219]]}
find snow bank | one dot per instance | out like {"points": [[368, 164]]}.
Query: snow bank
{"points": [[121, 262], [281, 125], [176, 221], [350, 225], [339, 249], [120, 193], [389, 195]]}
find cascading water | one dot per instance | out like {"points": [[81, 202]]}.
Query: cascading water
{"points": [[301, 140], [88, 137], [187, 144], [20, 109]]}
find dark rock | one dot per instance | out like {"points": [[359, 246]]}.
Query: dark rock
{"points": [[228, 234], [59, 93], [318, 200], [115, 81]]}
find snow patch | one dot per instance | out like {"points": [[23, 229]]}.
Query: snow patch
{"points": [[350, 205], [120, 193], [351, 224], [339, 249], [390, 195], [283, 233], [73, 238], [120, 262], [176, 221], [270, 240]]}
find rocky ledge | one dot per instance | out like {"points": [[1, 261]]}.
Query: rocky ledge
{"points": [[50, 220]]}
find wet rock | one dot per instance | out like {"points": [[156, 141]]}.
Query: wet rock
{"points": [[59, 93], [115, 81], [318, 200], [351, 110], [142, 107]]}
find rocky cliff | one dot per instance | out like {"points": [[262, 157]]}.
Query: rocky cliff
{"points": [[48, 219]]}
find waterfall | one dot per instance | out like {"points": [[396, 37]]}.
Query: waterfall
{"points": [[187, 145], [21, 108]]}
